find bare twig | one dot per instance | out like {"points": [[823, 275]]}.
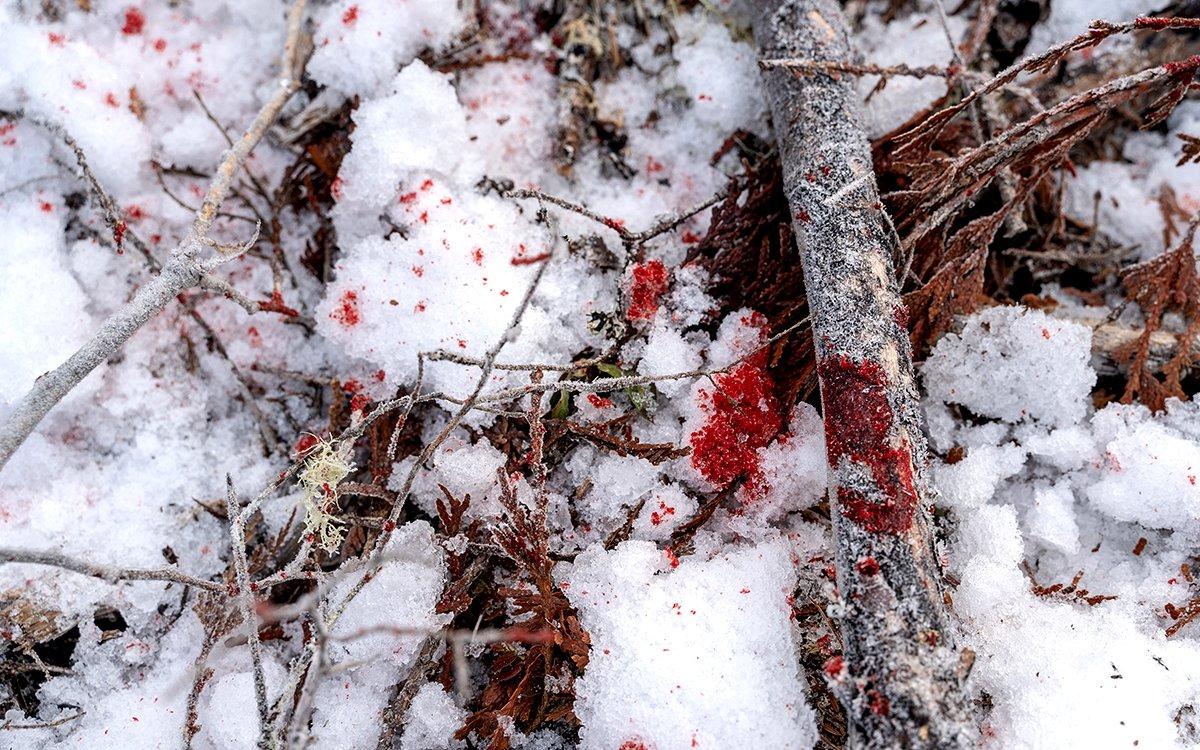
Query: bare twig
{"points": [[110, 573], [9, 725], [245, 595]]}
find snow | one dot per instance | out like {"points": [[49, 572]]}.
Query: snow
{"points": [[1149, 471], [360, 43], [1014, 364], [916, 39], [38, 294], [432, 720], [1128, 191], [717, 669], [364, 643], [1069, 495]]}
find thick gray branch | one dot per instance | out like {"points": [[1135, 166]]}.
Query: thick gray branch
{"points": [[901, 681]]}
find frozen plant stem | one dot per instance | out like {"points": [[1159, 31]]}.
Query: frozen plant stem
{"points": [[900, 678], [245, 594], [186, 268]]}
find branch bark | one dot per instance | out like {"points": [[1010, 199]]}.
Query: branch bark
{"points": [[186, 268], [901, 675]]}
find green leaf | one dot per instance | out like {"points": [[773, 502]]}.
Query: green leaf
{"points": [[562, 405]]}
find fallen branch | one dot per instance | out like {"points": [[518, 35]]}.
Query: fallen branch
{"points": [[184, 270], [245, 594], [110, 573], [900, 676]]}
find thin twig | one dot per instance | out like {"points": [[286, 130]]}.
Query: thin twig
{"points": [[110, 573], [245, 595]]}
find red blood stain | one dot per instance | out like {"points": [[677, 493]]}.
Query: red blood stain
{"points": [[352, 386], [46, 206], [79, 84], [380, 376], [742, 416], [254, 336], [134, 22], [634, 745], [653, 165], [346, 312], [426, 185], [598, 401], [834, 666], [359, 402], [649, 281], [424, 217], [160, 45], [689, 237], [111, 100], [671, 558], [867, 566], [56, 40], [477, 256], [1046, 333], [418, 271], [660, 515], [119, 235], [408, 198], [135, 212], [335, 188], [350, 16], [878, 703], [419, 307], [858, 425]]}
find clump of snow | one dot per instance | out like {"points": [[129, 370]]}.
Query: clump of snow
{"points": [[697, 656], [1043, 492], [44, 303], [665, 510], [361, 43], [1014, 364], [972, 481], [432, 720], [668, 352], [1149, 471], [726, 100], [462, 467]]}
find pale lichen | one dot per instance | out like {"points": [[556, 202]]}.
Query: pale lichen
{"points": [[324, 469]]}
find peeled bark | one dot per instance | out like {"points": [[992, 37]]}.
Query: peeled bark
{"points": [[901, 674]]}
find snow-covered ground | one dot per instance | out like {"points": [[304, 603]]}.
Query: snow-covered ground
{"points": [[699, 649]]}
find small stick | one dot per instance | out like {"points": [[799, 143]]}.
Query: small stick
{"points": [[110, 573]]}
